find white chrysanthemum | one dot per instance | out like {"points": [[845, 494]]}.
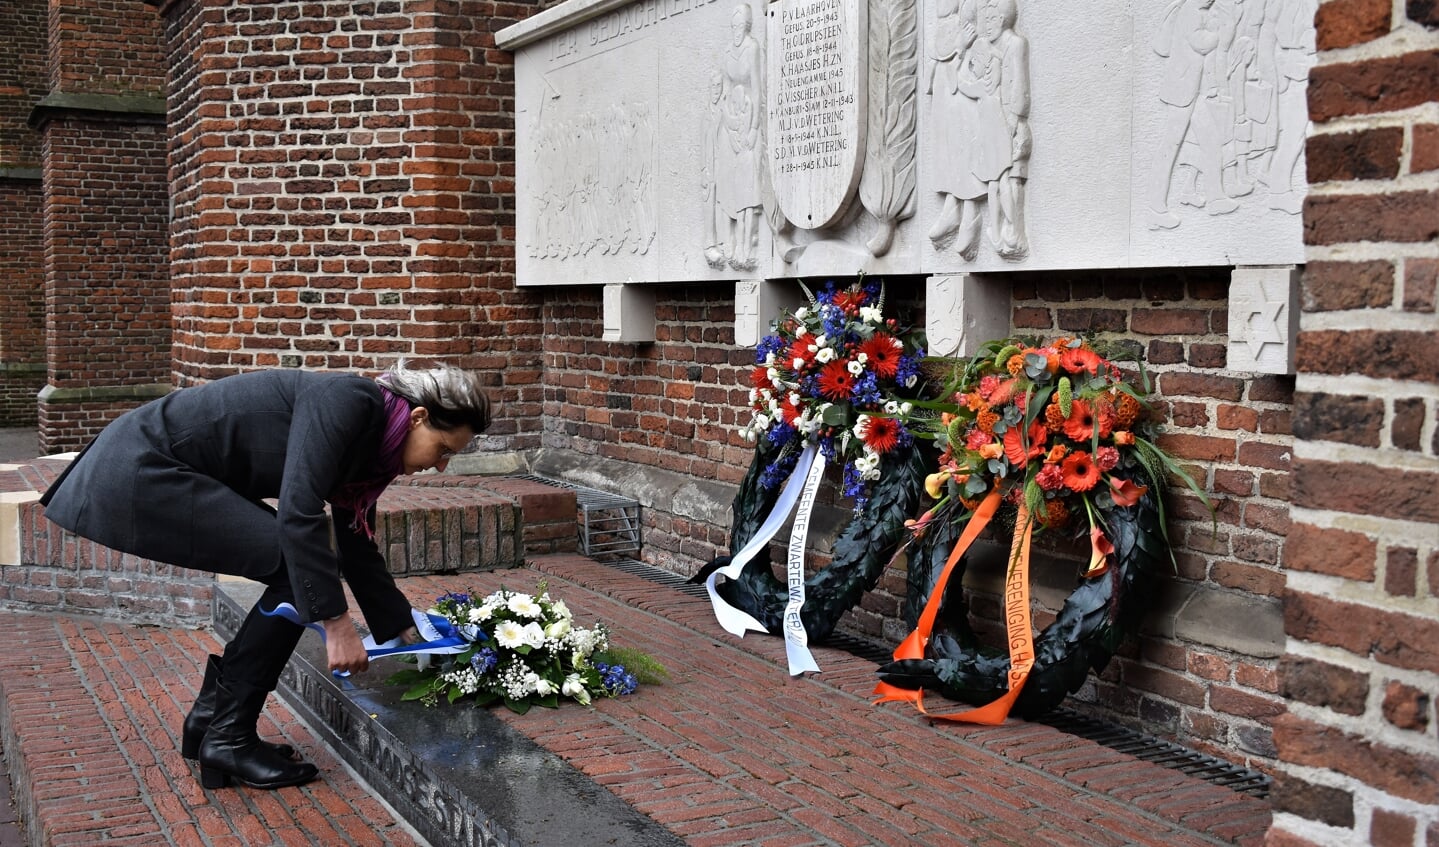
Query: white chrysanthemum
{"points": [[525, 606], [510, 634], [534, 635]]}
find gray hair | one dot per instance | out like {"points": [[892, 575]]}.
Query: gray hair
{"points": [[453, 396]]}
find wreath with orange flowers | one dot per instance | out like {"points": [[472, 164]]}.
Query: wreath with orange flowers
{"points": [[1060, 429]]}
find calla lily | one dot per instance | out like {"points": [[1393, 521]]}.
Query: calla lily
{"points": [[934, 484], [1100, 547], [1125, 492]]}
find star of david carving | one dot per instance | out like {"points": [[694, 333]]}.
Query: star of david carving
{"points": [[1262, 324]]}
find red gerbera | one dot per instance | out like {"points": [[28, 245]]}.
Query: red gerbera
{"points": [[882, 434], [798, 354], [1080, 472], [1017, 452], [882, 354], [835, 380], [790, 411], [1079, 426], [759, 377]]}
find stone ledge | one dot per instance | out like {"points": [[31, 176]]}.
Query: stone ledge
{"points": [[459, 776]]}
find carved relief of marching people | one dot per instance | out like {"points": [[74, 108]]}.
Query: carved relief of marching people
{"points": [[979, 81], [600, 194], [1234, 103]]}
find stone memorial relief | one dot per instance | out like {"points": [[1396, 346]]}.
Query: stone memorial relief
{"points": [[1232, 90], [733, 150], [724, 140], [599, 198], [843, 85], [977, 76]]}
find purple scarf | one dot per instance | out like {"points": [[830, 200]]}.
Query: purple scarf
{"points": [[360, 495]]}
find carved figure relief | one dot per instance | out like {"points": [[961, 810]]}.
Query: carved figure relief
{"points": [[734, 150], [599, 192], [1234, 104], [978, 78]]}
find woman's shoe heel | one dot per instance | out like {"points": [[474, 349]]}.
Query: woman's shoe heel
{"points": [[210, 778]]}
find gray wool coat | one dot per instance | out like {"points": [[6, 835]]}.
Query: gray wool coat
{"points": [[183, 480]]}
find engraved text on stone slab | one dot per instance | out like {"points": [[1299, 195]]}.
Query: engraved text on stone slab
{"points": [[816, 78]]}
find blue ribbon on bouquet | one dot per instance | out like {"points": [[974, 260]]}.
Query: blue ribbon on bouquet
{"points": [[441, 636]]}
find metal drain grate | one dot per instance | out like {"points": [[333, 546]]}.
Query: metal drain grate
{"points": [[1137, 744], [609, 525]]}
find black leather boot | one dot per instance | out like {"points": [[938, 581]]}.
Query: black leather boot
{"points": [[204, 710], [232, 751]]}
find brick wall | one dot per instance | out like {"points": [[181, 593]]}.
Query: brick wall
{"points": [[343, 180], [676, 405], [102, 150], [22, 305], [1359, 749], [106, 281]]}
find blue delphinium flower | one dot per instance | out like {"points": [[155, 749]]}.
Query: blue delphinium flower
{"points": [[616, 680], [484, 660]]}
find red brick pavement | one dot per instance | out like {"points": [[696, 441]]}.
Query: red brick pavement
{"points": [[728, 752]]}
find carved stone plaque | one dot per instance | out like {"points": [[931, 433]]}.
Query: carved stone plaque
{"points": [[816, 85]]}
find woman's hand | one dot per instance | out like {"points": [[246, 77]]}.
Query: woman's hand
{"points": [[343, 646]]}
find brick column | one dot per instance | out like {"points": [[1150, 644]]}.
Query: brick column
{"points": [[343, 185], [22, 295], [1359, 748], [105, 216]]}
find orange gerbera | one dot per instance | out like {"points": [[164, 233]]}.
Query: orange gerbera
{"points": [[1077, 359], [835, 380], [1079, 426], [882, 354], [1080, 472], [1017, 452]]}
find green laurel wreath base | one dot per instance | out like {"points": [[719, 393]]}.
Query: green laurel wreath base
{"points": [[864, 546], [1097, 617]]}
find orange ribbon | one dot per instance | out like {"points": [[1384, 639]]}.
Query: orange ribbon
{"points": [[1016, 617]]}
